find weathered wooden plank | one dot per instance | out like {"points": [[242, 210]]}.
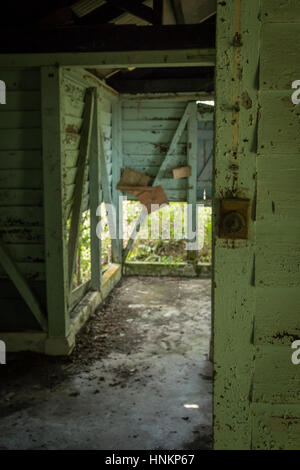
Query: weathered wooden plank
{"points": [[106, 184], [71, 141], [151, 162], [276, 378], [73, 107], [106, 117], [207, 170], [191, 183], [117, 159], [23, 119], [151, 170], [54, 203], [79, 293], [21, 197], [236, 72], [170, 183], [70, 192], [20, 159], [26, 253], [152, 114], [72, 89], [30, 271], [277, 229], [21, 234], [160, 58], [277, 265], [153, 103], [72, 124], [149, 125], [173, 195], [71, 176], [278, 128], [285, 53], [22, 285], [280, 12], [276, 426], [95, 183], [20, 139], [22, 101], [107, 131], [275, 319], [278, 188], [85, 140], [71, 158], [105, 104], [142, 148], [21, 79], [21, 216], [176, 137], [21, 178]]}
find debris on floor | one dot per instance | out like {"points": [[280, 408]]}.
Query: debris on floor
{"points": [[138, 378]]}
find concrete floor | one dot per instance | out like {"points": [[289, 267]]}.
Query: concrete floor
{"points": [[139, 377]]}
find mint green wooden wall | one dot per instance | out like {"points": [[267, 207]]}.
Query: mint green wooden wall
{"points": [[21, 193], [55, 98], [256, 281], [276, 390], [73, 93], [148, 126]]}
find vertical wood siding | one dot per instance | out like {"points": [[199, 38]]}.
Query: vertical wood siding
{"points": [[276, 396], [21, 194]]}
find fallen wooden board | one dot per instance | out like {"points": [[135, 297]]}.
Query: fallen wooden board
{"points": [[134, 190], [133, 178], [155, 199]]}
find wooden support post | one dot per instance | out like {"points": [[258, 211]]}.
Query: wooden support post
{"points": [[192, 184], [116, 175], [95, 199], [159, 176], [234, 269], [85, 140], [54, 203], [22, 285], [107, 195]]}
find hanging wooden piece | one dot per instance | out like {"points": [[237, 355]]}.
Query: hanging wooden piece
{"points": [[133, 178], [182, 172]]}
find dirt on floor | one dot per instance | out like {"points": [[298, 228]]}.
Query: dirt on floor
{"points": [[138, 378]]}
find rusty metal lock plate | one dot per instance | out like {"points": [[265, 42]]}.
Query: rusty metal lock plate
{"points": [[234, 218]]}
